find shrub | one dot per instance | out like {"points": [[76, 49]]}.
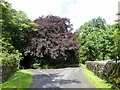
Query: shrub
{"points": [[9, 60], [9, 55], [36, 65]]}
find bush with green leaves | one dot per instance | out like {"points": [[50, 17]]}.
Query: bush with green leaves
{"points": [[9, 59], [16, 27], [9, 56], [35, 65]]}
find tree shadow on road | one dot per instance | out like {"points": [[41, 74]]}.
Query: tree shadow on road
{"points": [[51, 81]]}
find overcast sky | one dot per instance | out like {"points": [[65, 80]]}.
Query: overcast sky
{"points": [[78, 11]]}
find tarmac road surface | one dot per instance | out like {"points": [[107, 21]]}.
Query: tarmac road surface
{"points": [[60, 78]]}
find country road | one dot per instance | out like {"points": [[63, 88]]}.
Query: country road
{"points": [[60, 78]]}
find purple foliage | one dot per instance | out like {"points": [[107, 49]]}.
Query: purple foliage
{"points": [[54, 41]]}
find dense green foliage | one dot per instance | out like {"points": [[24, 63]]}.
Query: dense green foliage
{"points": [[16, 26], [117, 39], [15, 30], [9, 56], [97, 40]]}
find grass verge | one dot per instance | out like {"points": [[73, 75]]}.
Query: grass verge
{"points": [[20, 79], [96, 81], [81, 65]]}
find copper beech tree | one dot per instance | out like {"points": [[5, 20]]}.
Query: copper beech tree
{"points": [[53, 42]]}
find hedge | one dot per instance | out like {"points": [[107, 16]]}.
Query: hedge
{"points": [[9, 60]]}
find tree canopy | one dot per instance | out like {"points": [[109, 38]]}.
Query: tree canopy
{"points": [[53, 42], [49, 40], [15, 28], [97, 40]]}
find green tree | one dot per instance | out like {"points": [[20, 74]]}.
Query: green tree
{"points": [[116, 27], [16, 26], [96, 39], [15, 31]]}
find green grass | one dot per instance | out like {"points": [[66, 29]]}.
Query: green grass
{"points": [[96, 81], [81, 65], [20, 79]]}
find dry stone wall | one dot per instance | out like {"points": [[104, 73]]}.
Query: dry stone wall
{"points": [[6, 72], [108, 70]]}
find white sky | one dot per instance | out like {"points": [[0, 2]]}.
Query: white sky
{"points": [[78, 11]]}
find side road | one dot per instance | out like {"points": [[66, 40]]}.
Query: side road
{"points": [[60, 78]]}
